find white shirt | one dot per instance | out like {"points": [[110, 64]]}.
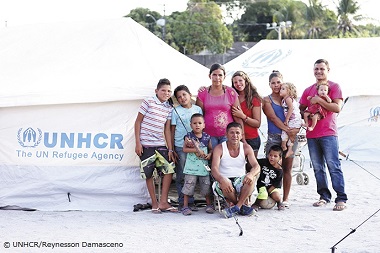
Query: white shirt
{"points": [[232, 167]]}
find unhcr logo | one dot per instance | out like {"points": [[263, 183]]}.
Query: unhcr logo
{"points": [[374, 114], [265, 58], [29, 137]]}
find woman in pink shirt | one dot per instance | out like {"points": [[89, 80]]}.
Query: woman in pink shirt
{"points": [[216, 102]]}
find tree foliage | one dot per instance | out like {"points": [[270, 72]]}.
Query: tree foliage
{"points": [[198, 28], [201, 26], [347, 13], [147, 18]]}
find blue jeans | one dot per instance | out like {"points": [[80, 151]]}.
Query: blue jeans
{"points": [[217, 140], [325, 150], [180, 165]]}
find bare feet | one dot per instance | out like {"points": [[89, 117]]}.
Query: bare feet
{"points": [[310, 128]]}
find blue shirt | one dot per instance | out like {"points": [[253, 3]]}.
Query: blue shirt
{"points": [[184, 114], [279, 111]]}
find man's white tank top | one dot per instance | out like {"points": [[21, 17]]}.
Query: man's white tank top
{"points": [[232, 166]]}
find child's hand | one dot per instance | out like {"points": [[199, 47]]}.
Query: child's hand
{"points": [[139, 150], [208, 156], [201, 154], [171, 157], [309, 97], [189, 143], [327, 98], [286, 122], [175, 156]]}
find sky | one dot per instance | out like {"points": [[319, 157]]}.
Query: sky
{"points": [[21, 12]]}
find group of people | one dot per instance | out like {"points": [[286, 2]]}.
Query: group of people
{"points": [[215, 141]]}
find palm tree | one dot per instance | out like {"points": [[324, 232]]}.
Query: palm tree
{"points": [[347, 13], [314, 19]]}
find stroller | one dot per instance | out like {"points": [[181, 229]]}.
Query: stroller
{"points": [[299, 161]]}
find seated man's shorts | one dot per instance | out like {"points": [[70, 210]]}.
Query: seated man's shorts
{"points": [[237, 183], [155, 158], [263, 193], [190, 182]]}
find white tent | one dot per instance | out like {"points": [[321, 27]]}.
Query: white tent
{"points": [[69, 98], [353, 63]]}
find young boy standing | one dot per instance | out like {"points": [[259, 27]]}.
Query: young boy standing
{"points": [[180, 126], [270, 180], [196, 162], [154, 145]]}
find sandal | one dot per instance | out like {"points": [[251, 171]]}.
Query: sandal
{"points": [[156, 210], [286, 204], [186, 211], [210, 209], [320, 202], [255, 207], [171, 209], [193, 207], [137, 207], [339, 206], [280, 206]]}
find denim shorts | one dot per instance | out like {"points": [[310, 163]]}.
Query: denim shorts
{"points": [[217, 140], [275, 139], [254, 143]]}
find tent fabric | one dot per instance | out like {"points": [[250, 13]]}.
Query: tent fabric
{"points": [[89, 61], [85, 150], [352, 63], [70, 94], [359, 128]]}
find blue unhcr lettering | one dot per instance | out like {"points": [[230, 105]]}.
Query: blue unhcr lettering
{"points": [[100, 156], [68, 140]]}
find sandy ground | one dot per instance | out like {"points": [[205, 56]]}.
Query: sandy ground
{"points": [[301, 228]]}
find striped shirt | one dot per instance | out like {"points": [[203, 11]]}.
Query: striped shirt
{"points": [[155, 114]]}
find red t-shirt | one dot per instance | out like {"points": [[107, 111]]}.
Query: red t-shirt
{"points": [[250, 132]]}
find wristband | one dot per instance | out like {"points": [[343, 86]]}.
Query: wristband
{"points": [[246, 119], [170, 150]]}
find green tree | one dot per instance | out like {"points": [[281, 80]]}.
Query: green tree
{"points": [[252, 24], [200, 28], [146, 18], [347, 14], [285, 11], [151, 20], [314, 23]]}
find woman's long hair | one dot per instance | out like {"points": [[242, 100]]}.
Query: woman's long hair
{"points": [[250, 91]]}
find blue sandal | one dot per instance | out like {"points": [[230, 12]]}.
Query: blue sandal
{"points": [[186, 211]]}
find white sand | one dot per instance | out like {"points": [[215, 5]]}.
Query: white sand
{"points": [[302, 228]]}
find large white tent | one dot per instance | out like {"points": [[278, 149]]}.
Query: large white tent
{"points": [[354, 64], [68, 102]]}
